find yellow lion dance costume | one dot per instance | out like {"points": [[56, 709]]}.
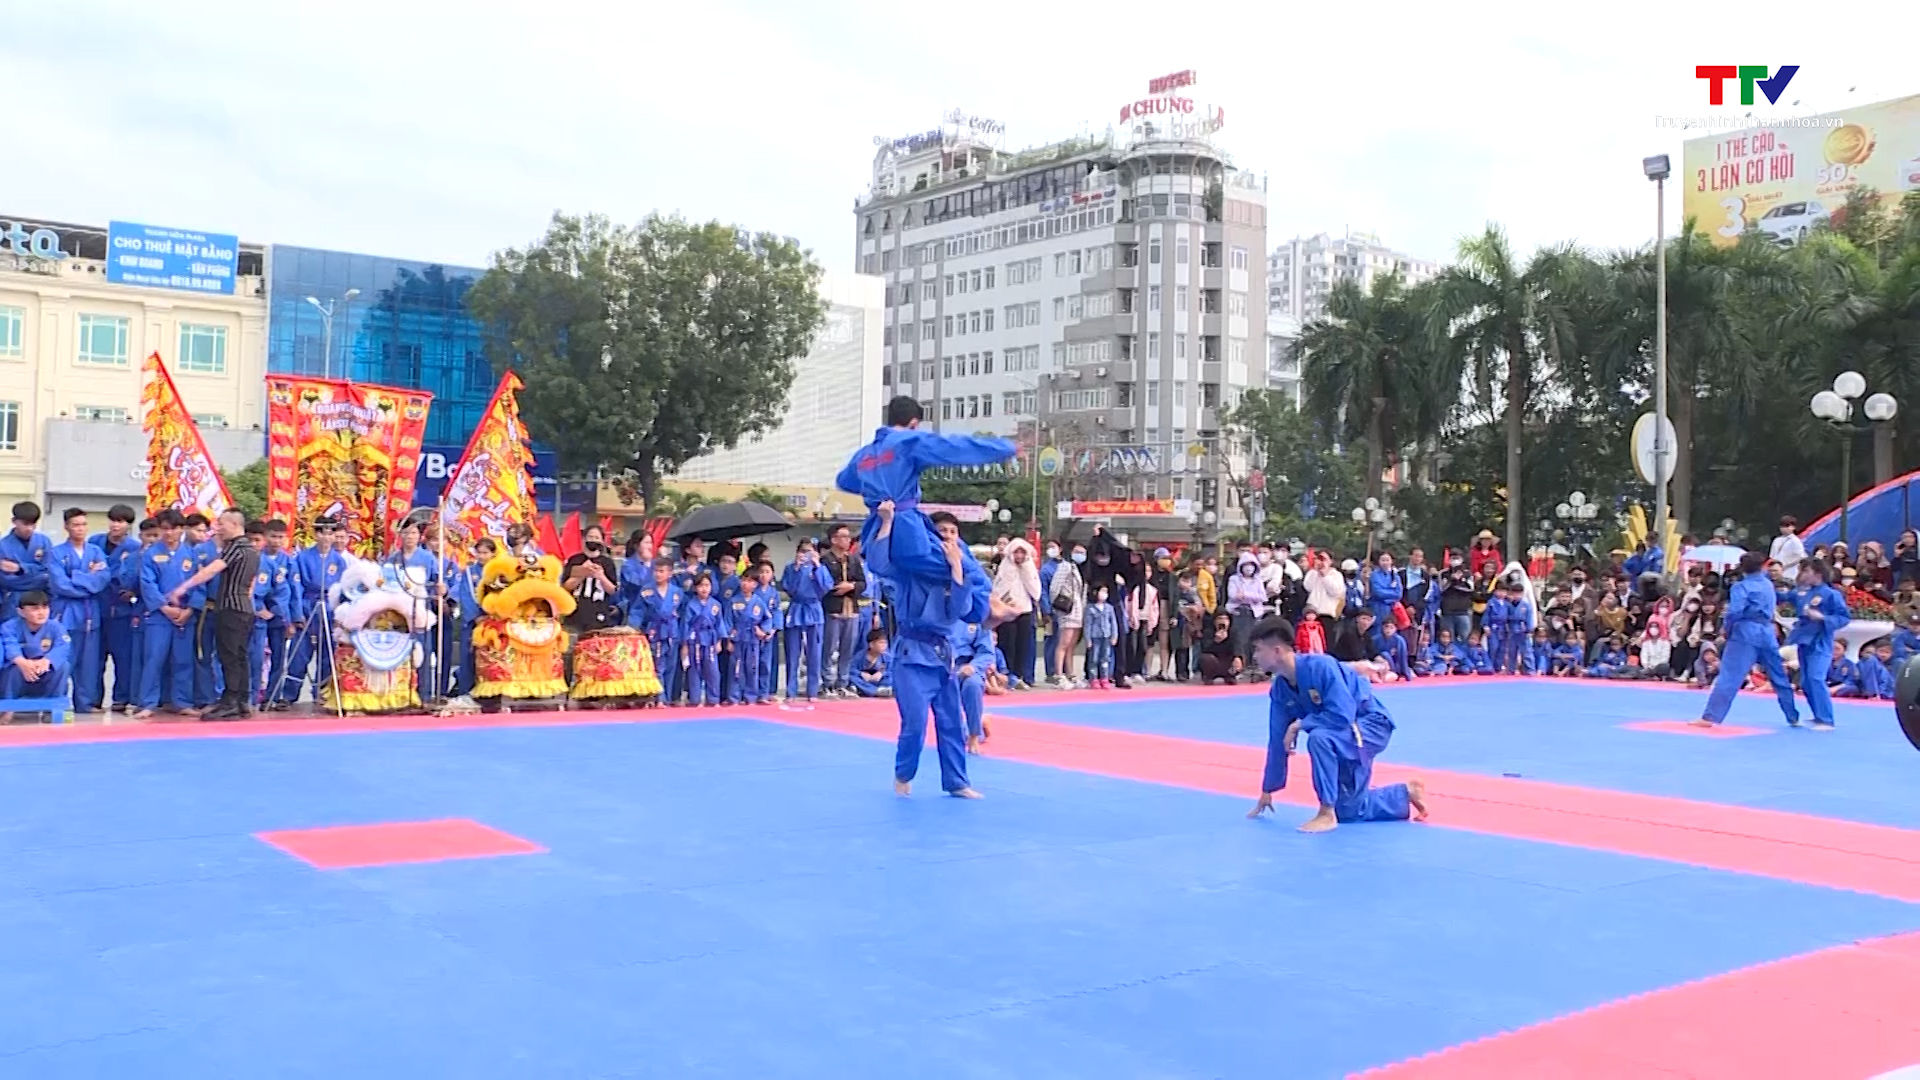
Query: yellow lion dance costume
{"points": [[519, 647]]}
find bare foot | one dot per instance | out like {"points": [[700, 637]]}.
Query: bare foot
{"points": [[902, 788], [973, 744], [986, 728], [1417, 798], [143, 714], [965, 793], [1702, 722], [1324, 821]]}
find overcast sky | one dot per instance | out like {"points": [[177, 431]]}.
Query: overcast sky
{"points": [[445, 132]]}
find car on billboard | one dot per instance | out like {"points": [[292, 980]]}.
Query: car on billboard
{"points": [[1789, 223]]}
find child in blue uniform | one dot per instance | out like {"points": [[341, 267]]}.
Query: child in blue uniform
{"points": [[1612, 661], [1440, 657], [36, 654], [1493, 624], [747, 634], [1519, 627], [656, 612], [870, 676], [1392, 648], [1476, 660], [1873, 678], [1539, 659], [270, 606], [1906, 640], [888, 470], [315, 571], [1345, 728], [1751, 640], [702, 625], [1840, 670], [1569, 657], [207, 680]]}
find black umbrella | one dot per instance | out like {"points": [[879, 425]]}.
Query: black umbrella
{"points": [[728, 521]]}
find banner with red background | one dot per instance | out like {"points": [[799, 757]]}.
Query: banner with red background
{"points": [[343, 450]]}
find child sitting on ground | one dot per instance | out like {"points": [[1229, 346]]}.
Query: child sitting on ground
{"points": [[872, 679], [1612, 661], [1441, 657], [1873, 678], [1478, 662], [1569, 657], [1539, 658]]}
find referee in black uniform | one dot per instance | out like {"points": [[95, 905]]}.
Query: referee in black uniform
{"points": [[236, 568]]}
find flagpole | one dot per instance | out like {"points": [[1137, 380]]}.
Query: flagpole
{"points": [[440, 604]]}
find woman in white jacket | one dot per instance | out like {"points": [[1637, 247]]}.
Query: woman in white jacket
{"points": [[1069, 586], [1016, 585]]}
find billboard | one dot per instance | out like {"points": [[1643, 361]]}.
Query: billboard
{"points": [[160, 258], [1791, 176]]}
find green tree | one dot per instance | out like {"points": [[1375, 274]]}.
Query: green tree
{"points": [[766, 496], [248, 486], [1502, 321], [1306, 479], [1367, 362], [645, 347]]}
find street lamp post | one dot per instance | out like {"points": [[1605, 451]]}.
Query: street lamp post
{"points": [[1380, 522], [326, 322], [1658, 168], [1577, 515], [1835, 406]]}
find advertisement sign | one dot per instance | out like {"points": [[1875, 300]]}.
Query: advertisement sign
{"points": [[161, 258], [346, 451], [1790, 177], [1114, 507]]}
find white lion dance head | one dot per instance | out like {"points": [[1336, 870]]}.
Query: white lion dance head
{"points": [[373, 612]]}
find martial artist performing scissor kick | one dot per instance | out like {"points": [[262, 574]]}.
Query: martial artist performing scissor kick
{"points": [[1345, 726]]}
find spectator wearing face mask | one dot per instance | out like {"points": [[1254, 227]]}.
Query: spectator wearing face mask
{"points": [[1246, 598], [1067, 600], [1045, 628], [1326, 589], [1456, 600]]}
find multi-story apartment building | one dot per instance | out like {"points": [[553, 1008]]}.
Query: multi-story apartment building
{"points": [[1301, 272], [1095, 292]]}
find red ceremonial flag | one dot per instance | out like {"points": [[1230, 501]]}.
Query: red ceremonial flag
{"points": [[547, 536], [606, 528], [180, 473], [656, 529], [570, 536]]}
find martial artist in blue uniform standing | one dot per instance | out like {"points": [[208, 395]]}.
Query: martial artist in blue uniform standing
{"points": [[120, 604], [806, 583], [277, 563], [703, 622], [166, 629], [78, 578], [1820, 613], [24, 554], [1751, 640], [207, 677], [1493, 623], [656, 613], [888, 470], [317, 570], [923, 662], [36, 657], [1520, 623], [747, 634], [1345, 726]]}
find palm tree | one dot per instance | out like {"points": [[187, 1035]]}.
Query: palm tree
{"points": [[1364, 365], [1852, 315], [1714, 334], [672, 503], [1498, 320], [766, 496]]}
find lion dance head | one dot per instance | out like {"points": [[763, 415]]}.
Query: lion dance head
{"points": [[519, 645]]}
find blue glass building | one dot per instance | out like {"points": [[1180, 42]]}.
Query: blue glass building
{"points": [[406, 326]]}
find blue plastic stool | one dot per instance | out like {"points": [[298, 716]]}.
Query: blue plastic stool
{"points": [[58, 709]]}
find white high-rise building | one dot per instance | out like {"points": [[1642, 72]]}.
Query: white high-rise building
{"points": [[1099, 291], [1301, 272]]}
